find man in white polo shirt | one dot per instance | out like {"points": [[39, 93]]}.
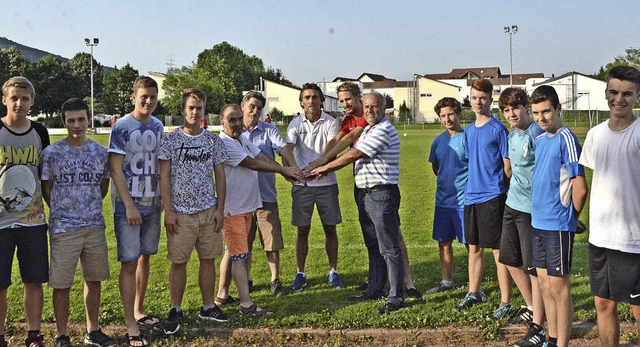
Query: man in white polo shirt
{"points": [[308, 136]]}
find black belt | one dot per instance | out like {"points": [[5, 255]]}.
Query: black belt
{"points": [[378, 188]]}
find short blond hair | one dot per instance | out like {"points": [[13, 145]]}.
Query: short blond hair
{"points": [[19, 82]]}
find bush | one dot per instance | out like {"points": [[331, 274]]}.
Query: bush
{"points": [[53, 122], [276, 115]]}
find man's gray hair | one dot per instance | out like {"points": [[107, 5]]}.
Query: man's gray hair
{"points": [[381, 99]]}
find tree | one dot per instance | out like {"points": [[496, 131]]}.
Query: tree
{"points": [[631, 58], [276, 115], [404, 114], [80, 66], [11, 64], [466, 102], [118, 87], [389, 100], [235, 70], [54, 84], [177, 80]]}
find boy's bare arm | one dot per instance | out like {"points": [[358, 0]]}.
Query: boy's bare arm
{"points": [[579, 191], [104, 187], [170, 218], [46, 191], [221, 194], [117, 175]]}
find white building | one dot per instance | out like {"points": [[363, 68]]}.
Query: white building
{"points": [[576, 91]]}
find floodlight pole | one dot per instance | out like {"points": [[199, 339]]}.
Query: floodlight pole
{"points": [[91, 44], [511, 31]]}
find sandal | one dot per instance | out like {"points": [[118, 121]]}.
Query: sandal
{"points": [[255, 311], [148, 322], [226, 301], [136, 341]]}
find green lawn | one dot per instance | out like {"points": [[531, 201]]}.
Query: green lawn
{"points": [[319, 305]]}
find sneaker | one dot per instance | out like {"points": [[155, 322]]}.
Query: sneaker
{"points": [[276, 288], [440, 288], [35, 340], [471, 299], [388, 308], [213, 313], [363, 297], [98, 338], [549, 344], [364, 286], [172, 324], [535, 337], [502, 312], [413, 293], [524, 316], [251, 288], [334, 279], [61, 341], [299, 282]]}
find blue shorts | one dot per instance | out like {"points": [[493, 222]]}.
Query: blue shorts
{"points": [[136, 240], [448, 223], [552, 250]]}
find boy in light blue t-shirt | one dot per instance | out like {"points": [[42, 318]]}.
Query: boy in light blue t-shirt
{"points": [[515, 243], [450, 165], [558, 193]]}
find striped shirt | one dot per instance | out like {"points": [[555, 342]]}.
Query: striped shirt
{"points": [[381, 144], [556, 164]]}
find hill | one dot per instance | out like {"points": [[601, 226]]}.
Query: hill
{"points": [[29, 53], [34, 54]]}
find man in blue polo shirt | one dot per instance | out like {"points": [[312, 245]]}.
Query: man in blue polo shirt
{"points": [[377, 158]]}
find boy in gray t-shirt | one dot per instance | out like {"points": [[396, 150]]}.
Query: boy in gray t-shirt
{"points": [[75, 179]]}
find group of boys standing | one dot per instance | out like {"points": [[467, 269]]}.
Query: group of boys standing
{"points": [[520, 193], [209, 183]]}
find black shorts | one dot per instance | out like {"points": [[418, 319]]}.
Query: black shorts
{"points": [[483, 222], [614, 275], [515, 244], [33, 254], [552, 250]]}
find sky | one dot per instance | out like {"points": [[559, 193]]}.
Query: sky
{"points": [[320, 40]]}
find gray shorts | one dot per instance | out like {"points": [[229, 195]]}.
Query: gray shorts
{"points": [[303, 198]]}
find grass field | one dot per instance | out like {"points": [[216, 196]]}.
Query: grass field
{"points": [[319, 305]]}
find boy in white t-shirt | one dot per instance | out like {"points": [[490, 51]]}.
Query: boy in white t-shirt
{"points": [[612, 151]]}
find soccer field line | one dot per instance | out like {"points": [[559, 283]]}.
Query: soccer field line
{"points": [[413, 245]]}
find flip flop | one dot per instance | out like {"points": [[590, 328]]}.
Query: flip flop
{"points": [[148, 322], [255, 311], [226, 301], [136, 341]]}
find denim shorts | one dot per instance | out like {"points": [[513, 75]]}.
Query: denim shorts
{"points": [[136, 240]]}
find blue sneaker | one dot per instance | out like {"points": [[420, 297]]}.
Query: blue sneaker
{"points": [[335, 280], [502, 312], [299, 282], [471, 300]]}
